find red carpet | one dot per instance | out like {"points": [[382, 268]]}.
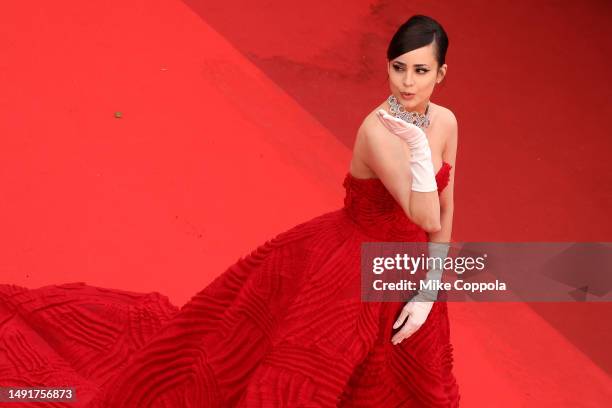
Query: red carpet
{"points": [[260, 104]]}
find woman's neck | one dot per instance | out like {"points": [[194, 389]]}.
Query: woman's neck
{"points": [[421, 108]]}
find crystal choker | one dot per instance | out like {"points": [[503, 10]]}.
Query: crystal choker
{"points": [[419, 119]]}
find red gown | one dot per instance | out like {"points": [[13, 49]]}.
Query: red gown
{"points": [[282, 327]]}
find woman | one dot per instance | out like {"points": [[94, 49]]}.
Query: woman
{"points": [[285, 325]]}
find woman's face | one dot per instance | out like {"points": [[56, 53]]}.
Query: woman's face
{"points": [[413, 77]]}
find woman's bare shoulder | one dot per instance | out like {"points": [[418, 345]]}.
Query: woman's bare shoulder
{"points": [[445, 133], [443, 115], [371, 123], [444, 119], [372, 136]]}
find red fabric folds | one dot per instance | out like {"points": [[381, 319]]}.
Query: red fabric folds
{"points": [[282, 327]]}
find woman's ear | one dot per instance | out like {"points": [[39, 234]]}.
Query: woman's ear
{"points": [[441, 73]]}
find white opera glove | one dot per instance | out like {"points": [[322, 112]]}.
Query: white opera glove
{"points": [[422, 169], [417, 309], [439, 251]]}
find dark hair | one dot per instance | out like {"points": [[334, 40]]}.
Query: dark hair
{"points": [[418, 32]]}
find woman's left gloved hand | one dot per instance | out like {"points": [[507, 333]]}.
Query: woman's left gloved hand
{"points": [[417, 309], [417, 313]]}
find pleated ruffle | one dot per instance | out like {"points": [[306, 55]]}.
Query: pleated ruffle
{"points": [[284, 326]]}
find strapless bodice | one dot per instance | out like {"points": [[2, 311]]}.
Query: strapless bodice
{"points": [[370, 205]]}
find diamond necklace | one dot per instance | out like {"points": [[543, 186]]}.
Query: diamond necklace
{"points": [[416, 118]]}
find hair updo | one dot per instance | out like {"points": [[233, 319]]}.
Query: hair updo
{"points": [[419, 31]]}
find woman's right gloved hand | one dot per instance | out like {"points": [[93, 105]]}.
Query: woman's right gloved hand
{"points": [[423, 174]]}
